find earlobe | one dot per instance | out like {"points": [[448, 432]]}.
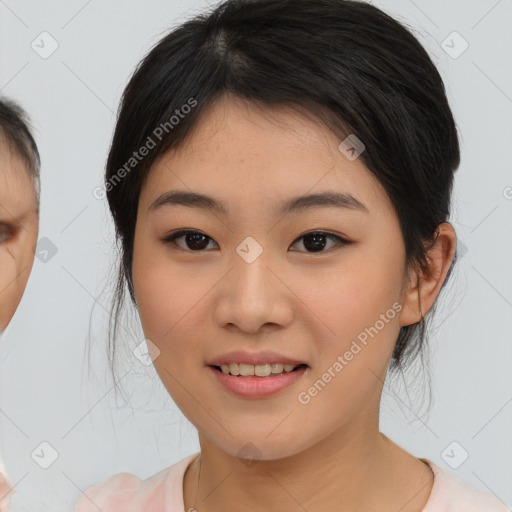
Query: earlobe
{"points": [[421, 296], [411, 308]]}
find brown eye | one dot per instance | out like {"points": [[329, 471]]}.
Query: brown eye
{"points": [[315, 241], [6, 232], [194, 240]]}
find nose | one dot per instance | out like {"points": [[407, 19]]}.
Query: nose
{"points": [[253, 296]]}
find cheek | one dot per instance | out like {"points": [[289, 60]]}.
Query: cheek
{"points": [[8, 265], [358, 302], [168, 297], [10, 292], [16, 261], [156, 289], [357, 306], [352, 296], [169, 305]]}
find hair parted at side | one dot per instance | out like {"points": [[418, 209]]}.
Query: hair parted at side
{"points": [[347, 63]]}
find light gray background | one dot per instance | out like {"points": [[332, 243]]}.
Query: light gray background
{"points": [[47, 394]]}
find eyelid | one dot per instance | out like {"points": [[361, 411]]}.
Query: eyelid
{"points": [[186, 231], [340, 240]]}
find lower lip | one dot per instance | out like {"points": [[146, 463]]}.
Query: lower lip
{"points": [[257, 387]]}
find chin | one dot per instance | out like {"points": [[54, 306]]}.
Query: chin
{"points": [[251, 449]]}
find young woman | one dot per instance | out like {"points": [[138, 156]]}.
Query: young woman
{"points": [[280, 179], [19, 223]]}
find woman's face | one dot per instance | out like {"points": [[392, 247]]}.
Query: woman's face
{"points": [[255, 283], [18, 231]]}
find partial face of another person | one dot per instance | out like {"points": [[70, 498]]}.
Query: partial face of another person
{"points": [[18, 230], [252, 278]]}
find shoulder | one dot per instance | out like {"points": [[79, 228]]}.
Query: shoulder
{"points": [[449, 494], [125, 492], [113, 494], [6, 491]]}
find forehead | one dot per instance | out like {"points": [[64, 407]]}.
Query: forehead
{"points": [[243, 153], [17, 190]]}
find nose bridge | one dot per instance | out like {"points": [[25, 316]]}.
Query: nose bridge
{"points": [[250, 272], [252, 295]]}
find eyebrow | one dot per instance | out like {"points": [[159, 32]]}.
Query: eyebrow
{"points": [[295, 205]]}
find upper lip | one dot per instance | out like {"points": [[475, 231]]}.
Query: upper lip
{"points": [[253, 358]]}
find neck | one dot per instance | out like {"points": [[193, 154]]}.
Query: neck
{"points": [[353, 469]]}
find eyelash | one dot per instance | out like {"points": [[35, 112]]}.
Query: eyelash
{"points": [[170, 239]]}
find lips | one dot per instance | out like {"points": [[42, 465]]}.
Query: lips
{"points": [[267, 370], [255, 388], [254, 358]]}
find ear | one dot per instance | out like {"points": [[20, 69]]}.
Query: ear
{"points": [[424, 286]]}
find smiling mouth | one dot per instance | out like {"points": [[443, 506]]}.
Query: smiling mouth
{"points": [[259, 371]]}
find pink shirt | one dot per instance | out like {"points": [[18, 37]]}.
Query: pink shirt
{"points": [[163, 492]]}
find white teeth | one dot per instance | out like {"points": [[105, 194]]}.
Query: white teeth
{"points": [[277, 367], [260, 370], [245, 369]]}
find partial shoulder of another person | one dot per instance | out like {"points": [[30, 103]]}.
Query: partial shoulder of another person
{"points": [[121, 492], [111, 494], [125, 492]]}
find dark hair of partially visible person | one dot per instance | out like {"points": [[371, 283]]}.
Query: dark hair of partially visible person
{"points": [[15, 131], [345, 63]]}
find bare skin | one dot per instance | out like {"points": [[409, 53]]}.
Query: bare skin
{"points": [[19, 225], [327, 454], [393, 481]]}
